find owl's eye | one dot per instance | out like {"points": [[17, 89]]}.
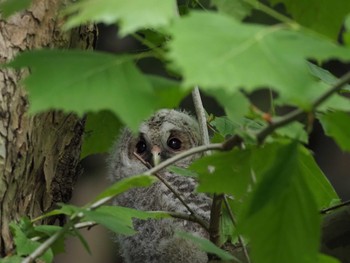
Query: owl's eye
{"points": [[141, 147], [174, 143]]}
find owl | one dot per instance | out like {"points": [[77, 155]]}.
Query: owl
{"points": [[165, 134]]}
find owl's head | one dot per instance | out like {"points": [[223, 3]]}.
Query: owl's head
{"points": [[165, 134]]}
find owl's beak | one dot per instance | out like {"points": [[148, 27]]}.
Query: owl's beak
{"points": [[156, 155]]}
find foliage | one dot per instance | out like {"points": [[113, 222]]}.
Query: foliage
{"points": [[275, 187], [9, 7]]}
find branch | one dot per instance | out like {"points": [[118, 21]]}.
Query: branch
{"points": [[337, 86], [298, 113], [189, 218], [215, 211], [215, 215], [194, 216], [200, 112]]}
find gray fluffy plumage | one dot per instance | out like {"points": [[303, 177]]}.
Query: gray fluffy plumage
{"points": [[155, 241]]}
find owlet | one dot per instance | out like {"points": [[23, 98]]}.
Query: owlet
{"points": [[165, 134]]}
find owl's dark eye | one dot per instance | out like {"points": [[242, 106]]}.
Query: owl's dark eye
{"points": [[141, 147], [174, 143]]}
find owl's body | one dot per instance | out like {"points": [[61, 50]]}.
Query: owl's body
{"points": [[165, 134]]}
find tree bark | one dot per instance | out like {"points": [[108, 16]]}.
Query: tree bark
{"points": [[38, 155]]}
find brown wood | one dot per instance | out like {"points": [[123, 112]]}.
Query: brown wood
{"points": [[38, 155]]}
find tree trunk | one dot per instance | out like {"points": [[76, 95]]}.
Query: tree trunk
{"points": [[38, 155]]}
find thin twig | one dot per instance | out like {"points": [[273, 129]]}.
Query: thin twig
{"points": [[179, 197], [337, 86], [200, 112], [234, 223], [191, 218], [298, 113], [83, 225], [193, 214]]}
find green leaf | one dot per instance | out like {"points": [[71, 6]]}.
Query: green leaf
{"points": [[265, 158], [325, 17], [322, 190], [324, 75], [47, 231], [182, 171], [69, 210], [335, 102], [126, 184], [48, 214], [283, 212], [294, 130], [233, 47], [25, 246], [119, 219], [337, 125], [224, 172], [82, 240], [9, 7], [83, 81], [327, 259], [100, 132], [169, 92], [206, 245], [131, 15], [236, 105], [11, 259], [27, 226], [346, 34], [224, 126], [227, 229], [236, 8]]}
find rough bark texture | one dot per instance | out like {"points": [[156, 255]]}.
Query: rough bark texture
{"points": [[38, 155]]}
